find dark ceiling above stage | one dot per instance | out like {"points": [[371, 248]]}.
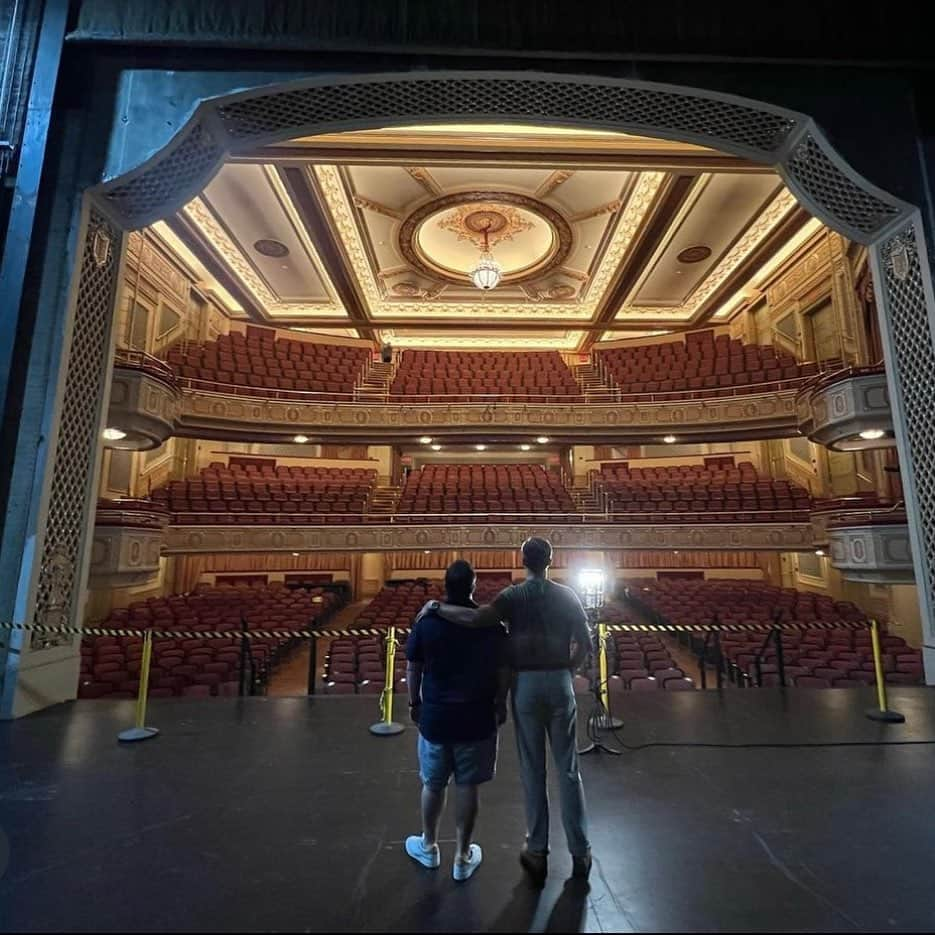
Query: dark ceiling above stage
{"points": [[797, 30]]}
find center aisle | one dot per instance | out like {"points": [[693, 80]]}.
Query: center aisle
{"points": [[291, 678]]}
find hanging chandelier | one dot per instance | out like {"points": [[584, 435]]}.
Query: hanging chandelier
{"points": [[486, 274]]}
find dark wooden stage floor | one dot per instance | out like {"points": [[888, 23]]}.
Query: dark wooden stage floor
{"points": [[286, 815]]}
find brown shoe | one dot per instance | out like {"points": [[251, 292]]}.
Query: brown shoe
{"points": [[581, 867], [536, 865]]}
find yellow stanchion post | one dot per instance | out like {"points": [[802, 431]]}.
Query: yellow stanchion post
{"points": [[606, 721], [882, 711], [140, 731], [387, 727]]}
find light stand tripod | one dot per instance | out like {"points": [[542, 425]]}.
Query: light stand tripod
{"points": [[600, 717]]}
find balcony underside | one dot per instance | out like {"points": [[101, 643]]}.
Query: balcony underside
{"points": [[216, 415], [391, 537]]}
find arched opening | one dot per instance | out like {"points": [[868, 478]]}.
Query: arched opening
{"points": [[237, 124]]}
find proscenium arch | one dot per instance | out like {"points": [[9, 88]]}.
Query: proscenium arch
{"points": [[783, 139], [786, 140]]}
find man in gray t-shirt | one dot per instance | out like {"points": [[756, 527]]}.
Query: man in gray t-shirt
{"points": [[549, 639]]}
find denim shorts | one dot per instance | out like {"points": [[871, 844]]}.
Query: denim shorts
{"points": [[470, 763]]}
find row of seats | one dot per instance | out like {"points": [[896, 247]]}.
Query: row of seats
{"points": [[462, 375], [484, 489], [701, 363], [193, 666], [831, 657], [258, 361], [722, 494], [357, 665], [291, 494]]}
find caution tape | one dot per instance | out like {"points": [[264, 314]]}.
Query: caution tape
{"points": [[733, 627], [374, 631], [198, 634]]}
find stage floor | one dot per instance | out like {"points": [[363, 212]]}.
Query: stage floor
{"points": [[286, 815]]}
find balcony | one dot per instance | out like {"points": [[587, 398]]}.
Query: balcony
{"points": [[145, 403], [129, 536], [867, 539], [848, 410]]}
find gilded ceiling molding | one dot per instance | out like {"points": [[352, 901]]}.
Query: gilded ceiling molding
{"points": [[368, 204], [204, 220], [510, 225], [425, 178], [554, 180], [609, 208], [779, 208], [629, 222]]}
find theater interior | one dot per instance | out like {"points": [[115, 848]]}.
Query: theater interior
{"points": [[355, 357]]}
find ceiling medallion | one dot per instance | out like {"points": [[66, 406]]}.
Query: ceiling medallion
{"points": [[273, 248], [694, 254], [482, 224], [440, 239]]}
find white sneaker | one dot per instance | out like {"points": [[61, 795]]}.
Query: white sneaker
{"points": [[427, 856], [462, 869]]}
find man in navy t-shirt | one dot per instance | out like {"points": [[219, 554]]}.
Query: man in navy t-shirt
{"points": [[458, 681]]}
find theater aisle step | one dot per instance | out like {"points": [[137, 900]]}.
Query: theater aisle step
{"points": [[291, 678]]}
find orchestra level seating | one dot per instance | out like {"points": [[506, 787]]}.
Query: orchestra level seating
{"points": [[822, 647], [452, 376], [258, 362], [187, 665], [356, 665]]}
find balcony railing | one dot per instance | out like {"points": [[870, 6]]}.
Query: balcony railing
{"points": [[565, 517], [140, 360]]}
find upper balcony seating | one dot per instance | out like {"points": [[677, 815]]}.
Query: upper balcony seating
{"points": [[701, 364], [265, 494], [453, 376], [110, 665], [478, 492], [724, 494], [258, 363], [829, 657]]}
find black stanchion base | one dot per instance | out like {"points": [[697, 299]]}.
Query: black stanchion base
{"points": [[384, 729], [887, 717]]}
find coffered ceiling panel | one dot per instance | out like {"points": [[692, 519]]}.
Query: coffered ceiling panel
{"points": [[596, 234]]}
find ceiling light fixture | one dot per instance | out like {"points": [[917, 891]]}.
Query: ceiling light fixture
{"points": [[436, 447], [525, 447], [480, 447], [669, 439], [542, 440], [295, 554], [819, 552], [300, 439], [871, 435], [426, 440], [113, 434], [486, 274]]}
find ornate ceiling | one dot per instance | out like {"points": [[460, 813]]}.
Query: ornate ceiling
{"points": [[598, 235]]}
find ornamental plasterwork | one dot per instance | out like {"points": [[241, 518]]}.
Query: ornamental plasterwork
{"points": [[773, 412], [202, 217], [393, 537], [567, 342], [778, 209], [454, 221], [342, 213]]}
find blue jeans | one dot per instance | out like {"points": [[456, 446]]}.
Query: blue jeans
{"points": [[544, 705]]}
